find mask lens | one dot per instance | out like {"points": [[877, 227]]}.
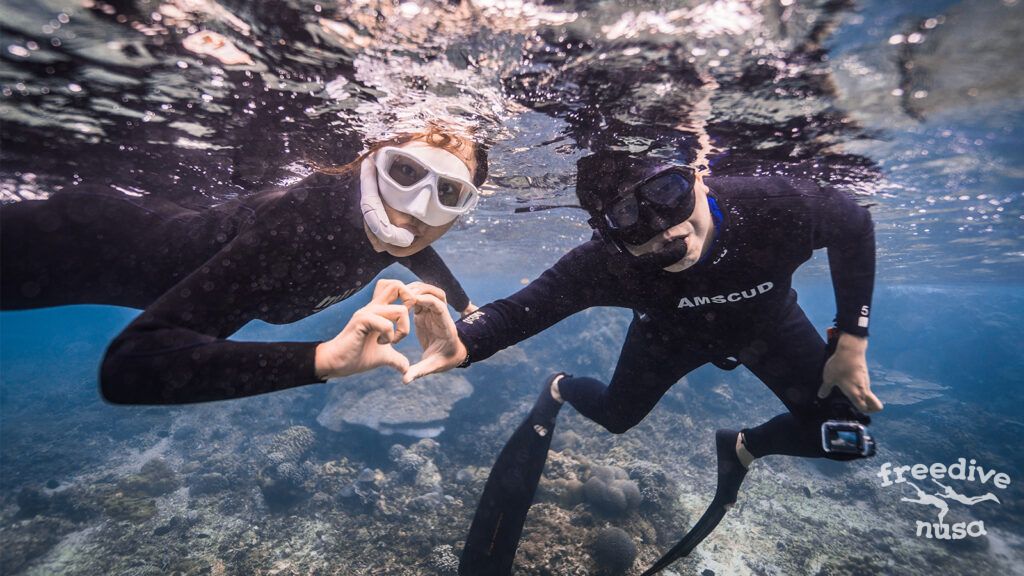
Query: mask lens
{"points": [[449, 192], [624, 213], [405, 171], [671, 189]]}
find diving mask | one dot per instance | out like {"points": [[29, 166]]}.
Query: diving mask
{"points": [[425, 181]]}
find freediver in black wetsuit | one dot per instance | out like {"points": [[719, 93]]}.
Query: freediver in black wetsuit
{"points": [[706, 267], [278, 256]]}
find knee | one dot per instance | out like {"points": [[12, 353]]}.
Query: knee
{"points": [[619, 425]]}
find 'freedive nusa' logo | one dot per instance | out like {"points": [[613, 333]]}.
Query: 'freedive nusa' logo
{"points": [[940, 475]]}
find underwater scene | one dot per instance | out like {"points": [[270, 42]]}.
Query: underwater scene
{"points": [[605, 203]]}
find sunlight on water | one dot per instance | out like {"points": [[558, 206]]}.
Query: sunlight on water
{"points": [[915, 107]]}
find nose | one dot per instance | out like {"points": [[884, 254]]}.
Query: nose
{"points": [[418, 205]]}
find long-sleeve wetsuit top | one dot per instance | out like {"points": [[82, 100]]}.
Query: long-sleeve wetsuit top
{"points": [[768, 228], [277, 256]]}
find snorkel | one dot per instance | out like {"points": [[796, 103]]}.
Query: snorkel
{"points": [[372, 208]]}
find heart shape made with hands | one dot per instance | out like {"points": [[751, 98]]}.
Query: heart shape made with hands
{"points": [[368, 340]]}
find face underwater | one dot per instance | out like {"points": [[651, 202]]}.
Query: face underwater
{"points": [[408, 208], [696, 231]]}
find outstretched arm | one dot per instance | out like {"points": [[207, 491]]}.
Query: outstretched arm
{"points": [[572, 284], [177, 351], [429, 267]]}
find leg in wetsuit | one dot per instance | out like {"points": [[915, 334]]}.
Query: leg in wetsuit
{"points": [[788, 357]]}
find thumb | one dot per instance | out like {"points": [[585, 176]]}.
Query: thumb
{"points": [[419, 369], [394, 358], [873, 403], [825, 389]]}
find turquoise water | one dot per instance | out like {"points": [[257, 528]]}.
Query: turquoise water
{"points": [[915, 106]]}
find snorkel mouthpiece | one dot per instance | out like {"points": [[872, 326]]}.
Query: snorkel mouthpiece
{"points": [[669, 254]]}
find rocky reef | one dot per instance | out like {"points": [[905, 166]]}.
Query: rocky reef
{"points": [[418, 409], [301, 483]]}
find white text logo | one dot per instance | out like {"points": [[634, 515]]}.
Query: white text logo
{"points": [[940, 475], [723, 298]]}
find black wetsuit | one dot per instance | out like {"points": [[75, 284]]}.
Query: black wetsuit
{"points": [[736, 302], [277, 256]]}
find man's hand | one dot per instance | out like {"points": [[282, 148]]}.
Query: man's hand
{"points": [[442, 349], [847, 368], [366, 341]]}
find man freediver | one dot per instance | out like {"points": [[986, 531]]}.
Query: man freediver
{"points": [[707, 270]]}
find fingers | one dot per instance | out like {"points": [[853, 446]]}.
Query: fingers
{"points": [[421, 369], [825, 389], [396, 360], [419, 288], [430, 303], [863, 399], [387, 291], [871, 403], [370, 322], [396, 313]]}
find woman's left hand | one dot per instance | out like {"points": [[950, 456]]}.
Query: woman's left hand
{"points": [[366, 341], [470, 308], [847, 368]]}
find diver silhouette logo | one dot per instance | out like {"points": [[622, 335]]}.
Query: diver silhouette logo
{"points": [[951, 494], [929, 500], [960, 470]]}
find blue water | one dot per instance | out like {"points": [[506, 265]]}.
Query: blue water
{"points": [[927, 129]]}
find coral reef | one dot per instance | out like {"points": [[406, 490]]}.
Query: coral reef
{"points": [[614, 551], [269, 493], [610, 491], [156, 478], [443, 560], [418, 409], [658, 491], [286, 479]]}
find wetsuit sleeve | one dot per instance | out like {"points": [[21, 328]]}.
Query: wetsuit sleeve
{"points": [[562, 290], [428, 266], [177, 350], [845, 228]]}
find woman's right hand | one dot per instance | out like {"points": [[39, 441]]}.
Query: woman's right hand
{"points": [[435, 329], [366, 341]]}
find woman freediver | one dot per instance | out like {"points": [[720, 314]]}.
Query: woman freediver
{"points": [[278, 256]]}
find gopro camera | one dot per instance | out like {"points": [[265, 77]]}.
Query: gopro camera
{"points": [[846, 437]]}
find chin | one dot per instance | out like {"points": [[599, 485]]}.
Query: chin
{"points": [[680, 266], [401, 252]]}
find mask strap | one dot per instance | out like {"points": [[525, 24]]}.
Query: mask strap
{"points": [[372, 208]]}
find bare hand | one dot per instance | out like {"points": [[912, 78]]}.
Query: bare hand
{"points": [[847, 368], [470, 308], [366, 341], [435, 329]]}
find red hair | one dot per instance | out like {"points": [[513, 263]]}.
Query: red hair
{"points": [[459, 145]]}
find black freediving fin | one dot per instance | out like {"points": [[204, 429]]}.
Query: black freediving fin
{"points": [[707, 523], [498, 523], [730, 475]]}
